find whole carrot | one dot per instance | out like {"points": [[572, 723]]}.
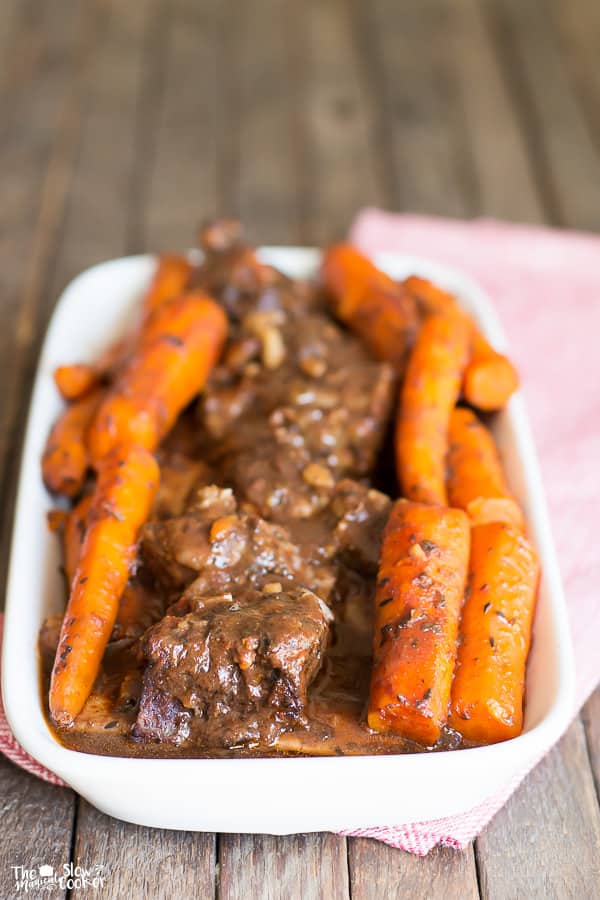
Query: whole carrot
{"points": [[490, 378], [475, 479], [162, 377], [65, 459], [420, 587], [429, 393], [488, 687], [127, 481], [374, 306]]}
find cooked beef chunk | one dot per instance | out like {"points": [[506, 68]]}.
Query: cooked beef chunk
{"points": [[217, 546], [236, 667]]}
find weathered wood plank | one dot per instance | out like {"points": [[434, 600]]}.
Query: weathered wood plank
{"points": [[377, 870], [269, 867], [578, 26], [39, 101], [267, 177], [590, 717], [415, 81], [144, 862], [566, 157], [546, 840], [497, 145], [96, 224], [36, 825], [340, 169], [183, 187]]}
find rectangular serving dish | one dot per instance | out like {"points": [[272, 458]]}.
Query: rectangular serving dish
{"points": [[277, 796]]}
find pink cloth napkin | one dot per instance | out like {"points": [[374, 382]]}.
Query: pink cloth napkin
{"points": [[546, 288]]}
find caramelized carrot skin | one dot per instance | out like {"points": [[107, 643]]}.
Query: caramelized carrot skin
{"points": [[421, 581], [489, 684], [490, 378], [375, 307], [74, 533], [429, 393], [170, 367], [475, 479], [65, 459], [120, 504], [76, 380]]}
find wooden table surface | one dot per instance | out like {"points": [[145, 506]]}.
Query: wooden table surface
{"points": [[124, 124]]}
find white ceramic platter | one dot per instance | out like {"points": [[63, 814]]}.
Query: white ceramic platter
{"points": [[265, 795]]}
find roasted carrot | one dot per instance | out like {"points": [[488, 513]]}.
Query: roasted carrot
{"points": [[76, 380], [490, 378], [74, 533], [122, 498], [65, 459], [374, 306], [170, 280], [162, 377], [475, 479], [429, 393], [421, 581], [488, 687]]}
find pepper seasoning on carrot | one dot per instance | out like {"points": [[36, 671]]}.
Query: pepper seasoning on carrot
{"points": [[487, 692], [421, 581], [490, 378], [429, 393], [122, 499], [374, 306], [169, 368], [475, 479]]}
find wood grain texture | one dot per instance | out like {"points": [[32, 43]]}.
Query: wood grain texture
{"points": [[342, 170], [546, 841], [183, 185], [496, 143], [152, 863], [271, 867], [590, 717], [36, 825], [415, 81], [96, 225], [377, 870], [566, 157], [266, 180]]}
